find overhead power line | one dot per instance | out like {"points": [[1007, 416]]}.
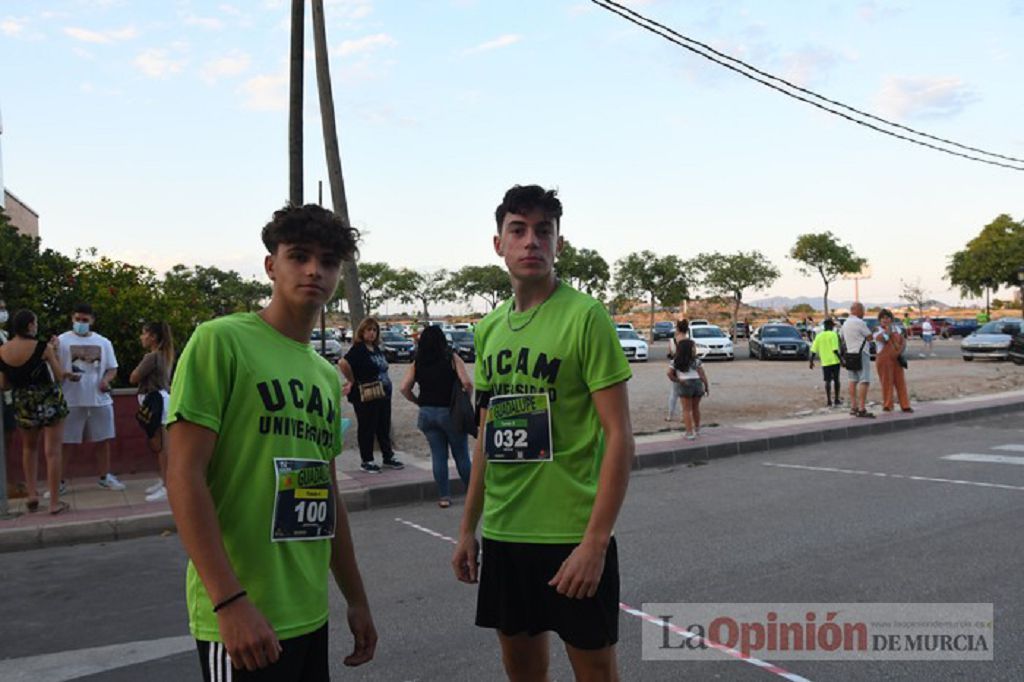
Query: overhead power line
{"points": [[807, 96]]}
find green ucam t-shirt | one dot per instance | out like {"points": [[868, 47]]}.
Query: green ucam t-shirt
{"points": [[272, 401], [826, 347], [569, 349]]}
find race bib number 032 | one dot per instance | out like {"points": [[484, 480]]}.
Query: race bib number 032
{"points": [[304, 506], [518, 428]]}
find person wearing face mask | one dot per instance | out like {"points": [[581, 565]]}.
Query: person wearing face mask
{"points": [[30, 367], [89, 355]]}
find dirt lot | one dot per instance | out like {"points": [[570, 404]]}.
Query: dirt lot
{"points": [[747, 390]]}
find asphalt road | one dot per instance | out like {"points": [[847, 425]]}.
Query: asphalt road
{"points": [[943, 348], [738, 530]]}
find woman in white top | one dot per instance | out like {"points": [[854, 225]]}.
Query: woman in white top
{"points": [[681, 332], [690, 383]]}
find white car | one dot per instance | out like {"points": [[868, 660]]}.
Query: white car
{"points": [[633, 346], [462, 327], [699, 323], [624, 325], [712, 343], [991, 340], [330, 348]]}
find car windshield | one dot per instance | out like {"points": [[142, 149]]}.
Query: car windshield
{"points": [[628, 335], [780, 333], [391, 337], [706, 333], [461, 337], [663, 325], [1000, 327]]}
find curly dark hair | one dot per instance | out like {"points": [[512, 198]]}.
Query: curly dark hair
{"points": [[311, 224], [522, 199]]}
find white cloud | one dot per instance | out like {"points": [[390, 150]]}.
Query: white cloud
{"points": [[12, 26], [348, 10], [266, 92], [497, 43], [209, 23], [902, 97], [101, 37], [809, 65], [227, 66], [157, 63], [365, 44]]}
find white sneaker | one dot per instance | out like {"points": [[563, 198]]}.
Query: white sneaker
{"points": [[110, 482], [153, 488], [921, 355], [691, 436], [158, 494], [63, 490]]}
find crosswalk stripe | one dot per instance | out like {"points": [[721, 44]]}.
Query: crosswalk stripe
{"points": [[70, 665], [1010, 447], [987, 459]]}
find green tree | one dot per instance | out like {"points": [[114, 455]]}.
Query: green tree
{"points": [[914, 293], [424, 288], [824, 254], [802, 309], [660, 279], [583, 269], [489, 282], [990, 260], [729, 275], [376, 284]]}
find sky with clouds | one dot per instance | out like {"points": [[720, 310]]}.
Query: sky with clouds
{"points": [[157, 132]]}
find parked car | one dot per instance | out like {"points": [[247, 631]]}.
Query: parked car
{"points": [[712, 343], [396, 347], [699, 322], [633, 346], [963, 327], [778, 341], [462, 343], [331, 346], [663, 330], [462, 327], [623, 325], [941, 326], [1017, 349], [991, 340]]}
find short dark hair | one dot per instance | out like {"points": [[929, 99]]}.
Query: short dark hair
{"points": [[683, 326], [885, 312], [22, 320], [311, 224], [83, 309], [523, 199], [828, 324]]}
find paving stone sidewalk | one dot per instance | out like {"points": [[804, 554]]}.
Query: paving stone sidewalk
{"points": [[100, 515]]}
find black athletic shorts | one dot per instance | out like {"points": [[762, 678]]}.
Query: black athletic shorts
{"points": [[831, 373], [303, 659], [515, 597], [8, 417]]}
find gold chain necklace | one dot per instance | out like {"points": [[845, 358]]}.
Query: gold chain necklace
{"points": [[536, 309]]}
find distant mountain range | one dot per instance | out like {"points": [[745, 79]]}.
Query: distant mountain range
{"points": [[785, 303]]}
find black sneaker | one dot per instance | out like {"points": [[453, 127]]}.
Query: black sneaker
{"points": [[370, 468], [392, 463]]}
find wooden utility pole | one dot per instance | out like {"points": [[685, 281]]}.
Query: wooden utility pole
{"points": [[334, 176], [298, 56]]}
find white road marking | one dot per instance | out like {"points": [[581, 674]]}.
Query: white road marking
{"points": [[1010, 447], [70, 665], [988, 459], [880, 474], [637, 613]]}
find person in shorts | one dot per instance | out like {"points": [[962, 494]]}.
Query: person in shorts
{"points": [[691, 384], [826, 347], [855, 337], [89, 356], [255, 425], [551, 467]]}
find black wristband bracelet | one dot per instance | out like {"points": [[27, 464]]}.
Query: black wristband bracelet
{"points": [[230, 599]]}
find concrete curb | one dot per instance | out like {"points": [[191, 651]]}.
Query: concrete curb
{"points": [[124, 527]]}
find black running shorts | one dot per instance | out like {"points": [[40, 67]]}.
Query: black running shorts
{"points": [[515, 597], [303, 659], [831, 373]]}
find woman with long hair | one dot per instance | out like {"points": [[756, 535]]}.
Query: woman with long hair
{"points": [[688, 374], [153, 377], [682, 331], [436, 369], [31, 368], [368, 388]]}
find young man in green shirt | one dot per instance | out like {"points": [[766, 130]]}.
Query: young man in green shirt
{"points": [[255, 425], [826, 347], [552, 462]]}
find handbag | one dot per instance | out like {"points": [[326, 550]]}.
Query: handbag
{"points": [[853, 361], [151, 413], [460, 407], [371, 390]]}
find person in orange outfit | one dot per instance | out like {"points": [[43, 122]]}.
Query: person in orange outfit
{"points": [[890, 343]]}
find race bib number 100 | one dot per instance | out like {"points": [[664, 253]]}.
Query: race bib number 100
{"points": [[518, 428], [304, 506]]}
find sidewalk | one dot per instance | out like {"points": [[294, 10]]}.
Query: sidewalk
{"points": [[100, 515]]}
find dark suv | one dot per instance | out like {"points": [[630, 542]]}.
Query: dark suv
{"points": [[663, 330]]}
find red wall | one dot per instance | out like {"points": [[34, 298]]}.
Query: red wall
{"points": [[129, 453]]}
